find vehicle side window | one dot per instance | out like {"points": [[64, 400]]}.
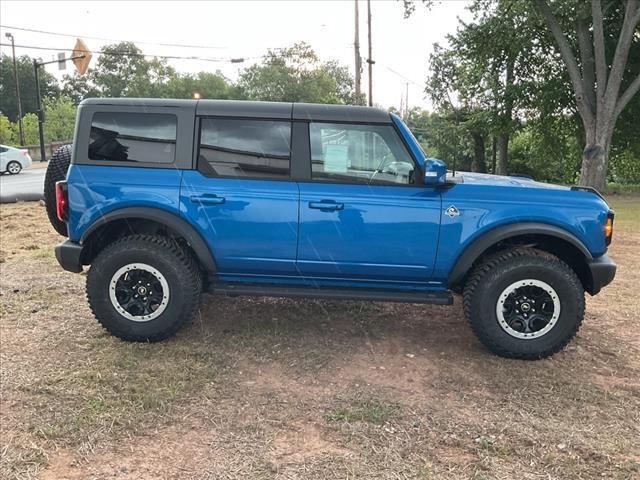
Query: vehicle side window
{"points": [[355, 153], [245, 148], [3, 149], [133, 137]]}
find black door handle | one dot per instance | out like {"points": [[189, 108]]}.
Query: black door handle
{"points": [[327, 205]]}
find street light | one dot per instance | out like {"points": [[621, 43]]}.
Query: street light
{"points": [[17, 80]]}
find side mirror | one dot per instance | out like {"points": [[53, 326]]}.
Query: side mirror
{"points": [[435, 172]]}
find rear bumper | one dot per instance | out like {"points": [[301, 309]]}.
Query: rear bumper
{"points": [[602, 271], [68, 256]]}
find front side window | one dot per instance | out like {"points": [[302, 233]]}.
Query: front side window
{"points": [[133, 137], [245, 148], [356, 153]]}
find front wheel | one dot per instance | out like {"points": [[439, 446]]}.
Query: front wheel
{"points": [[524, 303], [143, 288]]}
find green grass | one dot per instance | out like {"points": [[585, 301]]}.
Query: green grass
{"points": [[627, 211]]}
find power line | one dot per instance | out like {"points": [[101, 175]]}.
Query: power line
{"points": [[401, 76], [46, 32], [134, 54], [141, 42]]}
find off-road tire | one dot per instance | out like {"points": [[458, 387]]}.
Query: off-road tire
{"points": [[176, 265], [56, 171], [489, 279]]}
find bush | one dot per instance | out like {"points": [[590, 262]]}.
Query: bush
{"points": [[7, 133], [625, 168]]}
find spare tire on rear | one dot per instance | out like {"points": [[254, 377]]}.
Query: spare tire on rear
{"points": [[56, 171]]}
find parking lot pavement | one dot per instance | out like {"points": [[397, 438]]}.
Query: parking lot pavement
{"points": [[28, 185]]}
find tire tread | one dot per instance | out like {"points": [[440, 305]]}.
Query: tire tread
{"points": [[489, 264], [56, 171], [192, 280]]}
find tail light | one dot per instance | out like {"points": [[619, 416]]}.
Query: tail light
{"points": [[25, 152], [608, 228], [62, 202]]}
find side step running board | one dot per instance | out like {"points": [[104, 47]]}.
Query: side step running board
{"points": [[378, 295]]}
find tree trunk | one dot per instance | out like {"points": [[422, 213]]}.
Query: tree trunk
{"points": [[594, 167], [596, 83], [479, 163], [595, 156], [494, 147], [503, 153], [503, 139]]}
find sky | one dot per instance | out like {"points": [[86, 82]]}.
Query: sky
{"points": [[245, 29]]}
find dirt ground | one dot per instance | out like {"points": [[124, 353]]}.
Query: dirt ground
{"points": [[284, 389]]}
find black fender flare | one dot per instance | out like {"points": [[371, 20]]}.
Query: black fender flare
{"points": [[171, 220], [480, 245]]}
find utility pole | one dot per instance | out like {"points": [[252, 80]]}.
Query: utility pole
{"points": [[40, 111], [406, 102], [356, 48], [370, 60], [17, 80]]}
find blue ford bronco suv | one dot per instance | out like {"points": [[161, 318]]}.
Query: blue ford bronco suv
{"points": [[165, 199]]}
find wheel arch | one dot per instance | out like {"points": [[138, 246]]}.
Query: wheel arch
{"points": [[136, 220], [546, 237]]}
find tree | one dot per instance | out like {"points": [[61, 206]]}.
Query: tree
{"points": [[60, 121], [487, 69], [8, 101], [296, 74], [121, 71], [442, 136], [7, 132], [78, 87], [597, 77], [208, 85]]}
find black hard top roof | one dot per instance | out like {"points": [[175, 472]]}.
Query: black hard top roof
{"points": [[242, 108]]}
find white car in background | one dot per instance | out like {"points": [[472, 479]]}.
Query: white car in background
{"points": [[13, 160]]}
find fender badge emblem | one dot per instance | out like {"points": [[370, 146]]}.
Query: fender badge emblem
{"points": [[452, 211]]}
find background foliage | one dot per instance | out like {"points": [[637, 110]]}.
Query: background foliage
{"points": [[502, 101]]}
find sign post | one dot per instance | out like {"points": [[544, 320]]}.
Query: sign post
{"points": [[81, 56]]}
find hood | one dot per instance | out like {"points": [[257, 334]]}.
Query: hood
{"points": [[501, 180]]}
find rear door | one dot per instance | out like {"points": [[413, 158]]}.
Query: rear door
{"points": [[365, 214], [241, 197]]}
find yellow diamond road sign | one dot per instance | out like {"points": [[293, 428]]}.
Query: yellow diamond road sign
{"points": [[82, 51]]}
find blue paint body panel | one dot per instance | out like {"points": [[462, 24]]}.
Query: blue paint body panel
{"points": [[381, 233], [336, 234], [485, 207], [255, 230], [96, 190]]}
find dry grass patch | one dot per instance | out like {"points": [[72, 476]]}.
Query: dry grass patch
{"points": [[275, 389]]}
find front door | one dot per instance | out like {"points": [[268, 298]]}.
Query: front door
{"points": [[365, 216], [241, 197]]}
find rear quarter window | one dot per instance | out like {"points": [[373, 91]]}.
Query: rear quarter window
{"points": [[133, 137]]}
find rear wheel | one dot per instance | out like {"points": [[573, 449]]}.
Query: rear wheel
{"points": [[56, 171], [524, 303], [143, 288], [14, 167]]}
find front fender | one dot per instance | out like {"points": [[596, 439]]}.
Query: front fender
{"points": [[481, 244]]}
